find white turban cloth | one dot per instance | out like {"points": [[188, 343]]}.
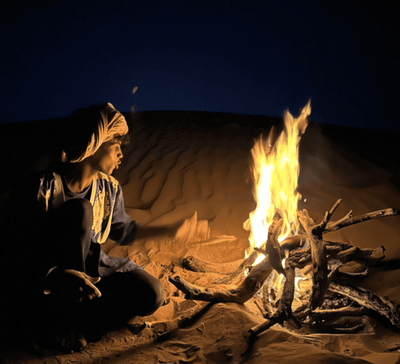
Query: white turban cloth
{"points": [[106, 131]]}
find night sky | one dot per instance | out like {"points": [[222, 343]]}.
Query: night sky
{"points": [[255, 57]]}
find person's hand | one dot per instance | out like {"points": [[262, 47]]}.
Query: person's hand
{"points": [[71, 285]]}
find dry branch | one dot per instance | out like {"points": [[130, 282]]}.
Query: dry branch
{"points": [[318, 258], [320, 315], [370, 300], [347, 221], [196, 265], [319, 229], [340, 252], [164, 329], [344, 325], [246, 290]]}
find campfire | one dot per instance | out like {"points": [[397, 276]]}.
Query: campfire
{"points": [[298, 276]]}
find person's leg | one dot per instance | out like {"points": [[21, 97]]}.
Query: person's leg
{"points": [[124, 296], [70, 234], [66, 245], [58, 238]]}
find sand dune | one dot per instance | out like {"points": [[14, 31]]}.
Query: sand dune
{"points": [[195, 167]]}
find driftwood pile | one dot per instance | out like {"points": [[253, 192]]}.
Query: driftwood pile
{"points": [[333, 269]]}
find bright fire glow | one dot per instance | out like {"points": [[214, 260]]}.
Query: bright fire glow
{"points": [[275, 174]]}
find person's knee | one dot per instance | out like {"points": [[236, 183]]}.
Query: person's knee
{"points": [[154, 298], [70, 233], [158, 296], [79, 206], [135, 293], [80, 211]]}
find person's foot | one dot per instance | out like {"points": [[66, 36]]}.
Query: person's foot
{"points": [[58, 326], [70, 285], [71, 341], [61, 340]]}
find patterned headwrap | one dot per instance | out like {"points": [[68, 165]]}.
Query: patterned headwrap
{"points": [[106, 130]]}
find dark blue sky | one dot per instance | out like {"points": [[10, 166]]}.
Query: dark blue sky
{"points": [[254, 57]]}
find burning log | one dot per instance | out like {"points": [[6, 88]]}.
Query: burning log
{"points": [[271, 249], [268, 309], [318, 258], [284, 310]]}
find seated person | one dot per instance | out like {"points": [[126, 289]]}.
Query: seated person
{"points": [[58, 283]]}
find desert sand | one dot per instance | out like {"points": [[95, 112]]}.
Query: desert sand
{"points": [[194, 167]]}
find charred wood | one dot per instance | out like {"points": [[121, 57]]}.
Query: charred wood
{"points": [[268, 308], [284, 310], [270, 247]]}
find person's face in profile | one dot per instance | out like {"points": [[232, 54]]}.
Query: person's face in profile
{"points": [[108, 157]]}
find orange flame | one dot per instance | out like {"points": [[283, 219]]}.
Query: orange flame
{"points": [[275, 174]]}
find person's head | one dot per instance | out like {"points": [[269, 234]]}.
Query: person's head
{"points": [[107, 157], [92, 128]]}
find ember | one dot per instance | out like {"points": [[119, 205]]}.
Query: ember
{"points": [[303, 278]]}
